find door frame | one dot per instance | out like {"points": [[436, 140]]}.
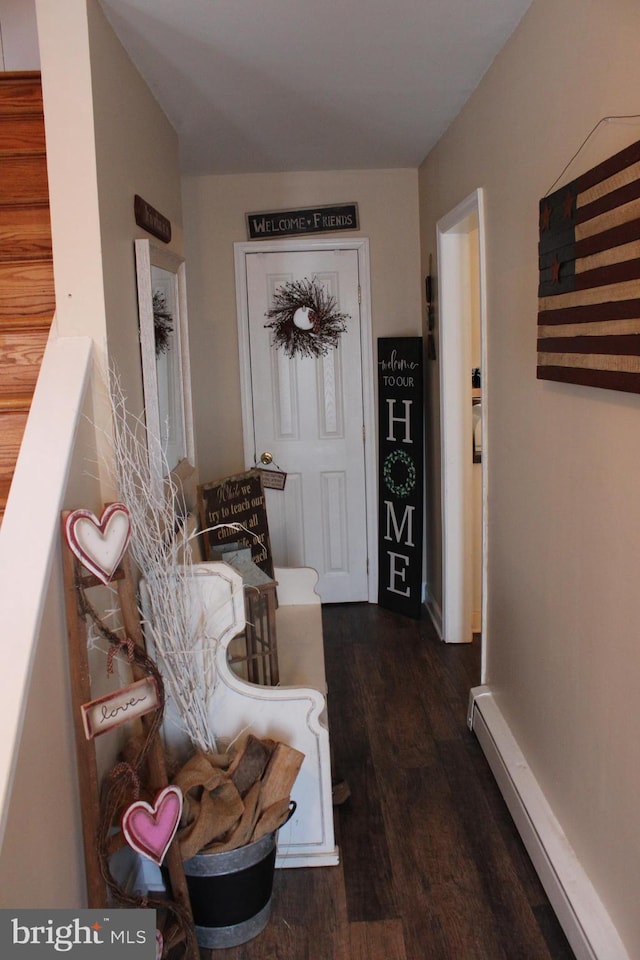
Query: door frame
{"points": [[361, 246], [456, 422]]}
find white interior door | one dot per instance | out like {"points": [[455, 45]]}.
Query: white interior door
{"points": [[308, 414]]}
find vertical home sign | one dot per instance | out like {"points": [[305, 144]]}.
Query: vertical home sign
{"points": [[400, 502]]}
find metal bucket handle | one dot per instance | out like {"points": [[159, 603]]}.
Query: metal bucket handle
{"points": [[292, 809]]}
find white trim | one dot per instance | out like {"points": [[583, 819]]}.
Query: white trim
{"points": [[582, 915], [433, 609], [150, 255], [486, 393], [361, 246], [455, 416]]}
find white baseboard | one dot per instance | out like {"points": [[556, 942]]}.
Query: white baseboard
{"points": [[330, 858], [582, 915], [433, 609]]}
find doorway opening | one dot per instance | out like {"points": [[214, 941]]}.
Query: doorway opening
{"points": [[463, 413]]}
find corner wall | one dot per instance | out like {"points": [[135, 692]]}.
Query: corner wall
{"points": [[107, 139], [214, 216], [563, 658], [136, 153]]}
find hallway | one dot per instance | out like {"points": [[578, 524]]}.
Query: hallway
{"points": [[431, 865]]}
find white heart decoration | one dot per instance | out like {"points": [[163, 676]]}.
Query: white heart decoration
{"points": [[99, 544], [150, 829]]}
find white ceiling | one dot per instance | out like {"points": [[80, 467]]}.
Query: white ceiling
{"points": [[275, 85]]}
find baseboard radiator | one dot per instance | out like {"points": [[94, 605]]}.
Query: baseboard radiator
{"points": [[584, 919]]}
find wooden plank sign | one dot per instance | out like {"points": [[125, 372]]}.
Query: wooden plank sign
{"points": [[291, 223], [236, 500], [400, 506], [111, 711], [589, 290], [151, 219], [273, 479]]}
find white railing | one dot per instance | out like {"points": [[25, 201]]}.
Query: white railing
{"points": [[29, 535]]}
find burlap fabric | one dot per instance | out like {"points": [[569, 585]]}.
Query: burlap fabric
{"points": [[222, 800]]}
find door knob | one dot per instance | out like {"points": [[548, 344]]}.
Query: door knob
{"points": [[266, 458]]}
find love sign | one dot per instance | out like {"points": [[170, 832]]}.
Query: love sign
{"points": [[99, 544], [104, 714], [148, 829]]}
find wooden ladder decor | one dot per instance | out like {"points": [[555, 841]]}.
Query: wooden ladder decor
{"points": [[101, 803]]}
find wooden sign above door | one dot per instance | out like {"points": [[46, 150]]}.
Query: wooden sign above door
{"points": [[151, 220], [294, 223]]}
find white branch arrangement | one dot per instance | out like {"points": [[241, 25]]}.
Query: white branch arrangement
{"points": [[175, 622]]}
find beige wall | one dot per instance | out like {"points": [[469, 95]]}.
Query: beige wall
{"points": [[214, 210], [71, 164], [136, 153], [18, 35], [107, 139], [564, 511]]}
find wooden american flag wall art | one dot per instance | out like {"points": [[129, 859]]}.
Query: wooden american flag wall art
{"points": [[589, 292]]}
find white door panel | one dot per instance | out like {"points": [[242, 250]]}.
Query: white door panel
{"points": [[308, 413]]}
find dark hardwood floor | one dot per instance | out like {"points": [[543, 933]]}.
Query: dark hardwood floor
{"points": [[431, 866]]}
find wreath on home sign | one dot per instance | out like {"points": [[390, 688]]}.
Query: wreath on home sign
{"points": [[399, 473], [304, 319]]}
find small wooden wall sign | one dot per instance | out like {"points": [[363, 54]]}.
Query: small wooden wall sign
{"points": [[292, 223], [273, 479], [111, 711], [151, 220], [236, 500]]}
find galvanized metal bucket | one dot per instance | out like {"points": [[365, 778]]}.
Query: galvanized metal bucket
{"points": [[230, 892]]}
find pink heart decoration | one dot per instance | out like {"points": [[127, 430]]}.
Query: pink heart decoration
{"points": [[150, 829], [99, 544], [159, 945]]}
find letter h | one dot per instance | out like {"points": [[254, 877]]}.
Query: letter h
{"points": [[406, 419]]}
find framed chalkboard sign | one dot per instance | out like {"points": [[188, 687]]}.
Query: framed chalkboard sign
{"points": [[400, 474], [233, 510]]}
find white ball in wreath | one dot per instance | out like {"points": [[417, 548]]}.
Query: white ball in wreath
{"points": [[304, 318]]}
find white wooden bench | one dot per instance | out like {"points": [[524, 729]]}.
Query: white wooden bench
{"points": [[294, 712]]}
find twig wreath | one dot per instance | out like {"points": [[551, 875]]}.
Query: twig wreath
{"points": [[304, 319], [162, 322]]}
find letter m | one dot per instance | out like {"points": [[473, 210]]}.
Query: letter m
{"points": [[407, 520]]}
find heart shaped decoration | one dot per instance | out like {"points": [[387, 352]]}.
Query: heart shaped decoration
{"points": [[159, 945], [99, 544], [150, 829]]}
